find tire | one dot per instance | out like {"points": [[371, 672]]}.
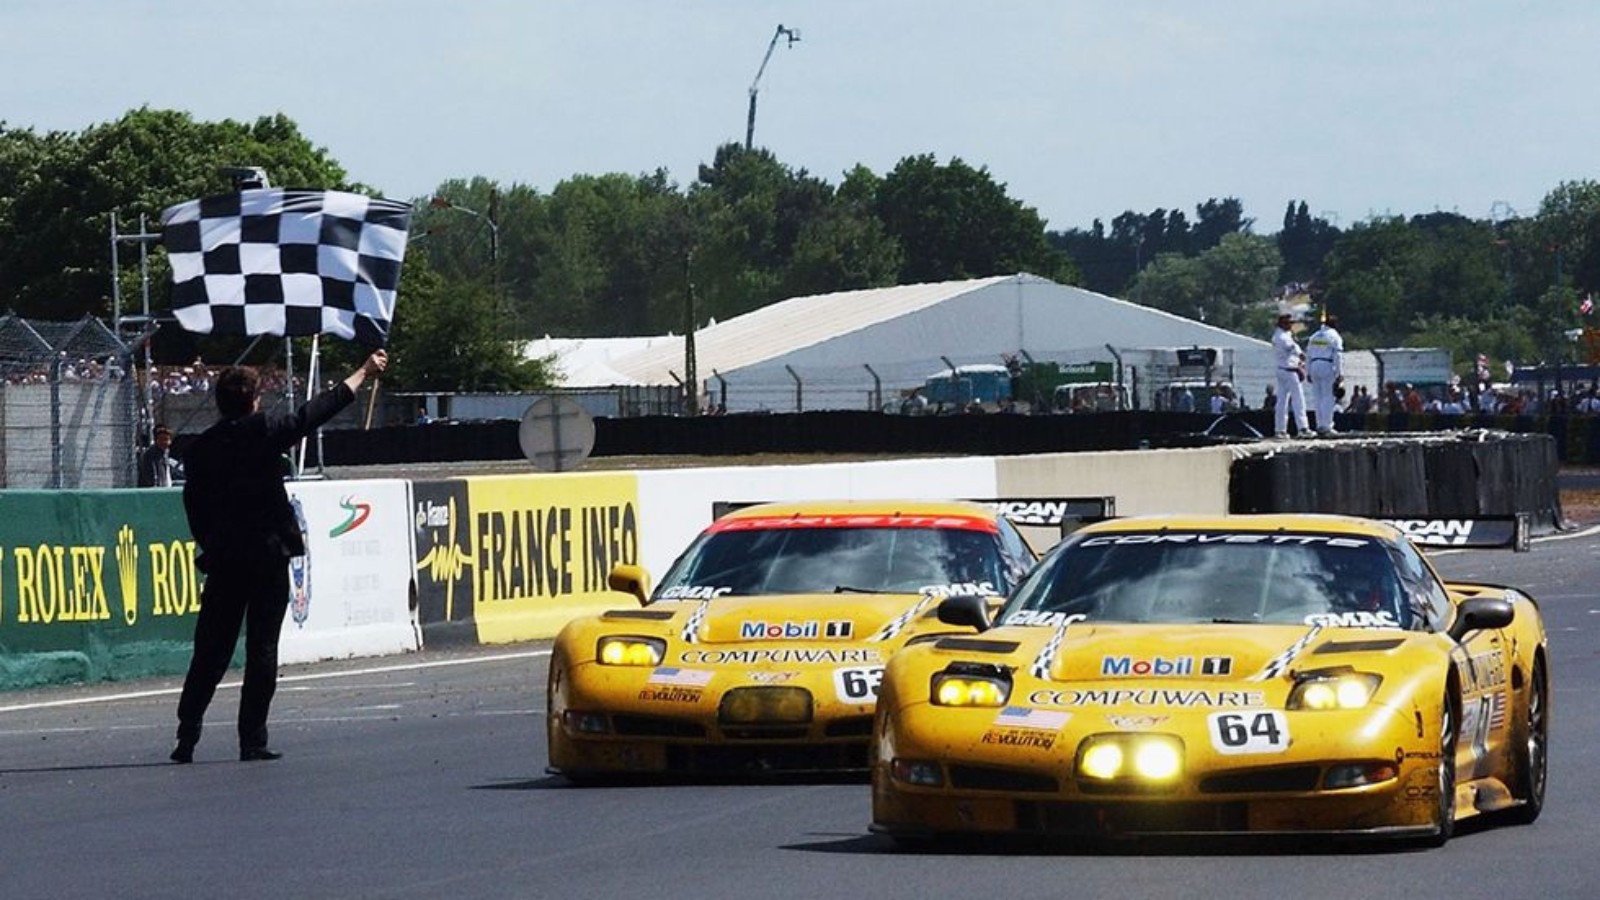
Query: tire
{"points": [[1444, 814], [1531, 754]]}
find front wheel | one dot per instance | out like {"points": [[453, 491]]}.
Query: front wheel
{"points": [[1445, 810], [1531, 752]]}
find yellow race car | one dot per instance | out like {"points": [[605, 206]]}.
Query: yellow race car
{"points": [[763, 646], [1251, 674]]}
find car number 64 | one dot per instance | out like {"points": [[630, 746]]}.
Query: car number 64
{"points": [[1266, 731]]}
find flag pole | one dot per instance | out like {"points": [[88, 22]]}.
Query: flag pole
{"points": [[311, 385]]}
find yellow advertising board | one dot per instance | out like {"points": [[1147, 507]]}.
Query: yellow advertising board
{"points": [[541, 547]]}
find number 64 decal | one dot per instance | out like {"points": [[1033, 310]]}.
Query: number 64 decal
{"points": [[1266, 731]]}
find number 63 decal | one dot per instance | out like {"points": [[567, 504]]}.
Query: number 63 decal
{"points": [[1266, 731]]}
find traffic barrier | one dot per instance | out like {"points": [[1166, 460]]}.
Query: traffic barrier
{"points": [[351, 594], [514, 557], [94, 585], [1488, 474], [102, 585]]}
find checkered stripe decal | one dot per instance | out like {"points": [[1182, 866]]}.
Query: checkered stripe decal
{"points": [[1276, 665], [899, 623], [691, 628], [1047, 653]]}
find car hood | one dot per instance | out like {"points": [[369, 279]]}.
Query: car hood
{"points": [[1201, 652], [802, 618]]}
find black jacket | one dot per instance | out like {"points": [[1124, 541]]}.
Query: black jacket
{"points": [[238, 509]]}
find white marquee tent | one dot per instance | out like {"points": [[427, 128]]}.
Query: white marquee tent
{"points": [[859, 349]]}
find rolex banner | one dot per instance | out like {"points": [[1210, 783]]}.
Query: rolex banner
{"points": [[94, 585]]}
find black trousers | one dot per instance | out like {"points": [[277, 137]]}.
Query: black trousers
{"points": [[254, 595]]}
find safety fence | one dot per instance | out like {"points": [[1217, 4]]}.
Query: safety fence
{"points": [[98, 585]]}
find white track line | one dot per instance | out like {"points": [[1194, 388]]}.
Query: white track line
{"points": [[287, 679]]}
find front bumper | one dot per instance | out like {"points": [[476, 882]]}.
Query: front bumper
{"points": [[611, 719], [1033, 787]]}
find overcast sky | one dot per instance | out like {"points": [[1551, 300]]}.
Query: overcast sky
{"points": [[1083, 109]]}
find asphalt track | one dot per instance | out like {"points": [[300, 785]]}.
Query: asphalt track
{"points": [[423, 776]]}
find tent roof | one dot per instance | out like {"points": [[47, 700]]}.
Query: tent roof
{"points": [[793, 324]]}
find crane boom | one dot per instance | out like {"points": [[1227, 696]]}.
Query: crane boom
{"points": [[793, 35]]}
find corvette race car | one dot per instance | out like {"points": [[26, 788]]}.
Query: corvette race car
{"points": [[763, 645], [1174, 675]]}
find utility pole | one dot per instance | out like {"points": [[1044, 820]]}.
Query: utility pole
{"points": [[690, 363], [750, 123]]}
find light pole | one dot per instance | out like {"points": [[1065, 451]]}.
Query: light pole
{"points": [[494, 234]]}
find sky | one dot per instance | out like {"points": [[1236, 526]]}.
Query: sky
{"points": [[1082, 108]]}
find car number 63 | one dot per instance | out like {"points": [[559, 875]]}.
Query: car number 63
{"points": [[858, 685], [1265, 731]]}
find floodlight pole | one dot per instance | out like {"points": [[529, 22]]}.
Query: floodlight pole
{"points": [[750, 122]]}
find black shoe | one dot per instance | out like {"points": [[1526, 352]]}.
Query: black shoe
{"points": [[255, 754], [183, 753]]}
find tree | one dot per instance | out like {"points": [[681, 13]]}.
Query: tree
{"points": [[54, 223], [955, 222], [446, 337], [1226, 286]]}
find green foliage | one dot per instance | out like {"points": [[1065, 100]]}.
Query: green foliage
{"points": [[955, 222], [1227, 285], [447, 337], [615, 254]]}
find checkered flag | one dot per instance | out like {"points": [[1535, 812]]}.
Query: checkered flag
{"points": [[287, 262]]}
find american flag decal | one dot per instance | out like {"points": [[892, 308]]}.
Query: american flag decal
{"points": [[1025, 717], [681, 677]]}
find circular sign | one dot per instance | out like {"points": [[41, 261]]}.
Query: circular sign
{"points": [[556, 434]]}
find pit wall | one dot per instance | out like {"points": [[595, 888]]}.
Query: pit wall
{"points": [[101, 585]]}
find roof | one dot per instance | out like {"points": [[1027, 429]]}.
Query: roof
{"points": [[918, 508], [791, 325], [1265, 523]]}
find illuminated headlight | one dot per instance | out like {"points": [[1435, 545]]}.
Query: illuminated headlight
{"points": [[1141, 758], [970, 685], [1343, 690], [630, 651]]}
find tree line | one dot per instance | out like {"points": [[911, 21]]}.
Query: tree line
{"points": [[619, 254]]}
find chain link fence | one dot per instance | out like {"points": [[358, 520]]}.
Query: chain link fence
{"points": [[68, 405]]}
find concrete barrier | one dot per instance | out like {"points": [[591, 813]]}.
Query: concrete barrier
{"points": [[351, 594]]}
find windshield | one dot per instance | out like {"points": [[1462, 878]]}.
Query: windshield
{"points": [[837, 560], [1188, 577]]}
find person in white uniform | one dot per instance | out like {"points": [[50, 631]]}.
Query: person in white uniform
{"points": [[1290, 364], [1324, 350]]}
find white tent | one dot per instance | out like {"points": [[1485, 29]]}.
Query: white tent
{"points": [[858, 349]]}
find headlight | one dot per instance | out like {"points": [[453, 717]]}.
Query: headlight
{"points": [[630, 651], [971, 684], [1334, 690], [765, 706], [1149, 759]]}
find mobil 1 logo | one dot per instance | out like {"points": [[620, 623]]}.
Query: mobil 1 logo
{"points": [[1253, 731], [858, 684]]}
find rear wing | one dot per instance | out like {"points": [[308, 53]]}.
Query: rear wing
{"points": [[1066, 513], [1486, 532]]}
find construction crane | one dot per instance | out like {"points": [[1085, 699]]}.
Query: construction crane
{"points": [[793, 35]]}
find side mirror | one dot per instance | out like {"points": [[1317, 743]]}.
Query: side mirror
{"points": [[1481, 613], [630, 579], [965, 610]]}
